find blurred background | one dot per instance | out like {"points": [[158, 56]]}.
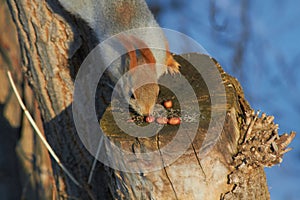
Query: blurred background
{"points": [[255, 41]]}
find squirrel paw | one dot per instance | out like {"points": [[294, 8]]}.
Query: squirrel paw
{"points": [[173, 65]]}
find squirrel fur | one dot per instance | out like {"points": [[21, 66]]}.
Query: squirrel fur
{"points": [[110, 17]]}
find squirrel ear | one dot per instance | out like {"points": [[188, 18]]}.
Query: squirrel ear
{"points": [[144, 49], [130, 50]]}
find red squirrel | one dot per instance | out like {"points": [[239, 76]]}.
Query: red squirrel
{"points": [[110, 17]]}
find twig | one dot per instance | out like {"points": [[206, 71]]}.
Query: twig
{"points": [[95, 160], [35, 127], [250, 127]]}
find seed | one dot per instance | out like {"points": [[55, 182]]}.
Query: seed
{"points": [[130, 120], [174, 120], [150, 119], [162, 120], [168, 104]]}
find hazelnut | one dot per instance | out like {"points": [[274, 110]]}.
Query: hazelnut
{"points": [[174, 120], [130, 120], [150, 119], [168, 104], [162, 120]]}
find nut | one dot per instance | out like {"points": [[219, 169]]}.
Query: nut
{"points": [[150, 119], [168, 104], [162, 120], [174, 120]]}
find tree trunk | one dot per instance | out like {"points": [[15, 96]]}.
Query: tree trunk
{"points": [[47, 42], [53, 46]]}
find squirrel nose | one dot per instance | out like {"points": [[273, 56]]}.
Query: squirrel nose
{"points": [[147, 111]]}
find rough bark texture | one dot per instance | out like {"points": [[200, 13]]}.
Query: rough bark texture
{"points": [[47, 42], [53, 46], [25, 169]]}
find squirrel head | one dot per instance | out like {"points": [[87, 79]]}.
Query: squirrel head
{"points": [[143, 69], [145, 99]]}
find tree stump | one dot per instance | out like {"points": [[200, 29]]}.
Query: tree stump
{"points": [[225, 172]]}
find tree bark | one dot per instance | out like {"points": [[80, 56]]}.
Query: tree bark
{"points": [[51, 54], [54, 44]]}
